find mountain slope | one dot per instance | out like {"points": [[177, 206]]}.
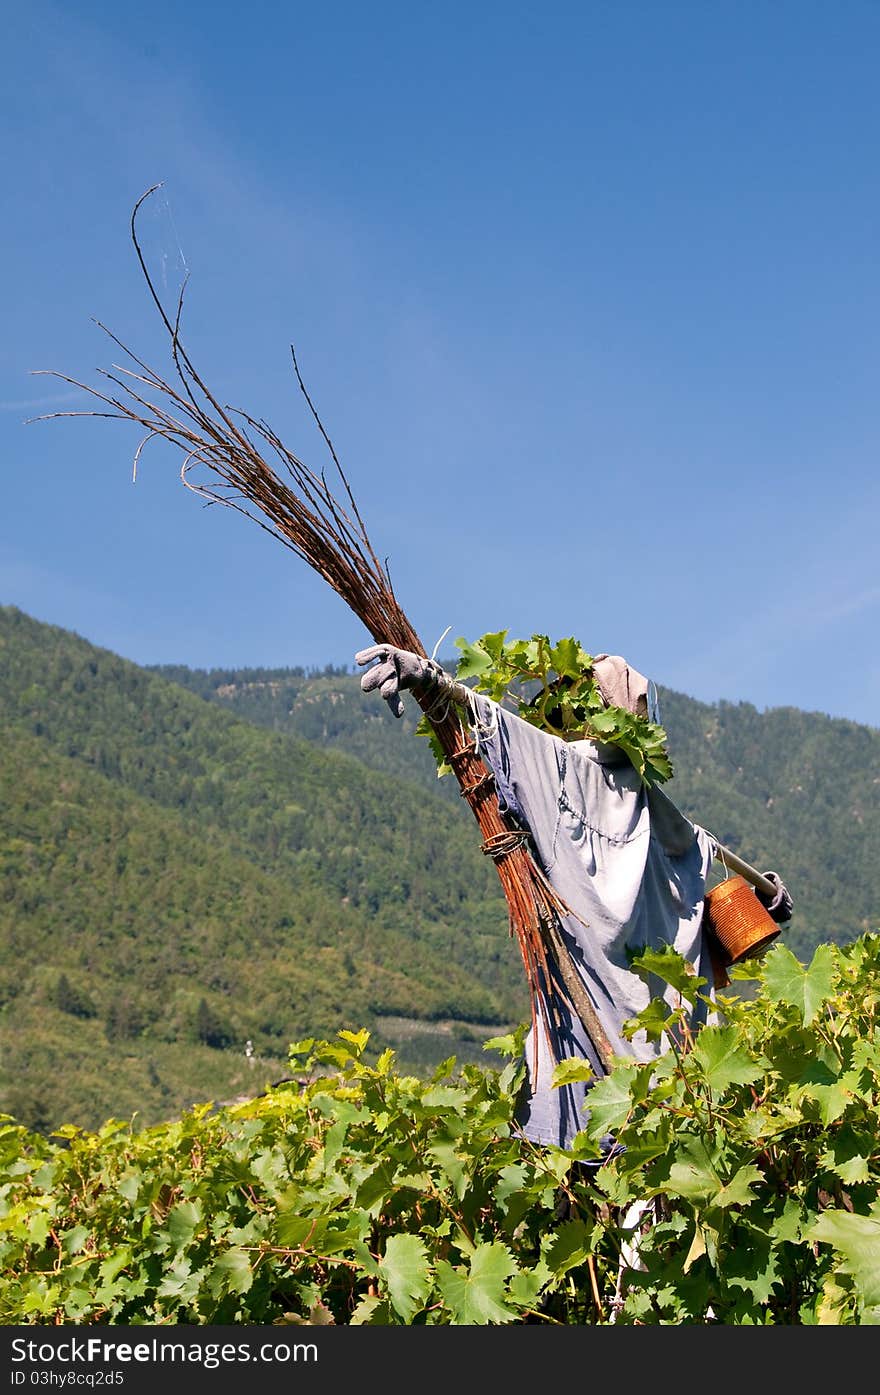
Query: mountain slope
{"points": [[289, 807], [175, 876], [122, 917]]}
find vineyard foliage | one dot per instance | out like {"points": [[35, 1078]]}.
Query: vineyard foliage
{"points": [[352, 1194], [554, 687]]}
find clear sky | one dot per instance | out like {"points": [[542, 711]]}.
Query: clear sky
{"points": [[587, 295]]}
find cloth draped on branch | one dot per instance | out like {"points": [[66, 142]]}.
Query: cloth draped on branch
{"points": [[632, 870]]}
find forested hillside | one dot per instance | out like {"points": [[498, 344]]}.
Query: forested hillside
{"points": [[177, 880]]}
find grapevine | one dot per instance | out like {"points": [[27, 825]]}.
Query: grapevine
{"points": [[553, 686]]}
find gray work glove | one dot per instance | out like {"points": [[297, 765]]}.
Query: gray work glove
{"points": [[396, 669], [780, 904]]}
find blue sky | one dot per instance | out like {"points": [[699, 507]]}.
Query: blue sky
{"points": [[586, 294]]}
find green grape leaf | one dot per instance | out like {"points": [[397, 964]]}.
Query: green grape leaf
{"points": [[857, 1239], [493, 644], [693, 1174], [806, 989], [671, 967], [231, 1273], [376, 1187], [183, 1221], [849, 1155], [425, 728], [405, 1271], [476, 1295], [451, 1165], [568, 659], [179, 1282], [295, 1232], [129, 1185], [567, 1246], [474, 660], [372, 1311], [653, 1020], [73, 1240], [737, 1192], [525, 1286], [319, 1315], [645, 1146], [610, 1100], [605, 724], [115, 1263], [724, 1059], [443, 1097], [572, 1070], [831, 1099]]}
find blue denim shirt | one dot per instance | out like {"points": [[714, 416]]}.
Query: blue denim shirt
{"points": [[631, 868]]}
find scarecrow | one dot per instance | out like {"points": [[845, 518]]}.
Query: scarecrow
{"points": [[628, 869], [595, 862]]}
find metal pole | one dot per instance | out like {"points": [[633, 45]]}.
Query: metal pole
{"points": [[751, 874]]}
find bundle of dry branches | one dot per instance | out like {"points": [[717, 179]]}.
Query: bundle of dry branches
{"points": [[246, 467]]}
